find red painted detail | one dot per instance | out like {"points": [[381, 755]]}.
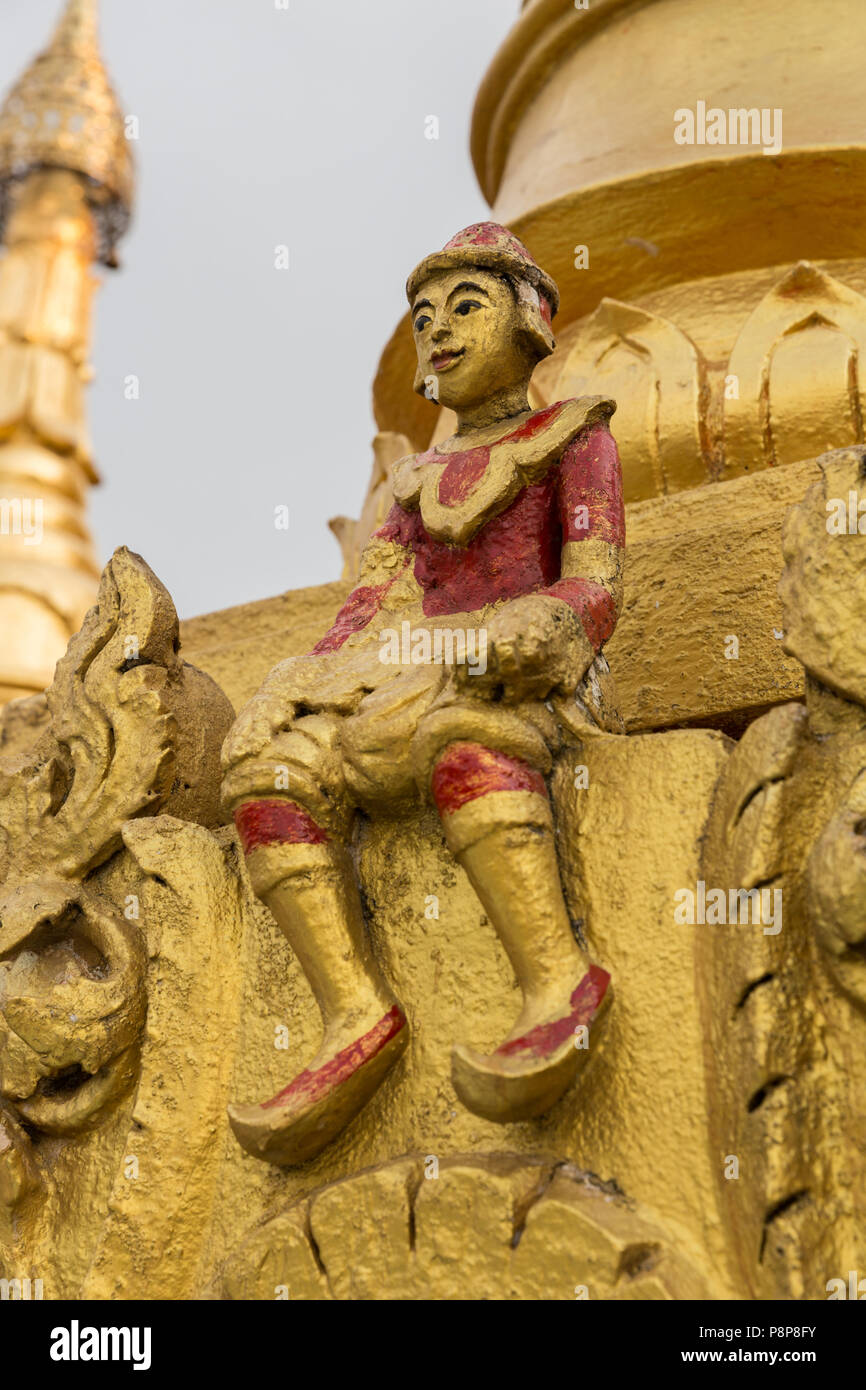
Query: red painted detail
{"points": [[546, 313], [276, 823], [547, 1037], [592, 603], [362, 604], [461, 475], [591, 476], [536, 424], [313, 1086], [516, 552], [489, 234], [396, 527], [466, 771]]}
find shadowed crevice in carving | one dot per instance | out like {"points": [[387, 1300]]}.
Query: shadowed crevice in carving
{"points": [[756, 791], [411, 1224], [577, 930], [779, 1210], [765, 1091], [523, 1207], [314, 1249], [64, 1082], [414, 1180], [606, 1187], [767, 882], [764, 979], [565, 1169]]}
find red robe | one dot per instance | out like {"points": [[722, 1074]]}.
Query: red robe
{"points": [[560, 534]]}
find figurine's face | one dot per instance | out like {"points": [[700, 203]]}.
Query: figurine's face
{"points": [[468, 337]]}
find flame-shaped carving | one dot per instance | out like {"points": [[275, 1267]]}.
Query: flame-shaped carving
{"points": [[785, 1007], [72, 993], [797, 383]]}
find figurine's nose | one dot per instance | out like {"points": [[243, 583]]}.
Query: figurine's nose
{"points": [[440, 330]]}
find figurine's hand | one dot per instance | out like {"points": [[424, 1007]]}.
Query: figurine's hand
{"points": [[535, 645], [272, 708]]}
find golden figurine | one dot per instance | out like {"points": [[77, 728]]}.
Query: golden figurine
{"points": [[467, 652]]}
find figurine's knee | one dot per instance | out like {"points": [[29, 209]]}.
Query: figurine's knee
{"points": [[302, 765], [528, 733], [376, 742]]}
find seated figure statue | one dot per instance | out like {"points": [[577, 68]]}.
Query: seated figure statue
{"points": [[509, 534]]}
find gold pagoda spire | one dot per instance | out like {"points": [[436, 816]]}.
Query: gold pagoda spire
{"points": [[63, 114], [79, 24], [66, 185]]}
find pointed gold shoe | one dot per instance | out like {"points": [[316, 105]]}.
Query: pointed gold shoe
{"points": [[297, 1123], [525, 1077]]}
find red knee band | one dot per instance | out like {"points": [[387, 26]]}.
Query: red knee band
{"points": [[466, 771], [276, 823]]}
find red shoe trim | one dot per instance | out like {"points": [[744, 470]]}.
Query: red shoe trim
{"points": [[315, 1085], [547, 1037]]}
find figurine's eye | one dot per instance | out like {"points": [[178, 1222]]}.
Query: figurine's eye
{"points": [[466, 306], [421, 322]]}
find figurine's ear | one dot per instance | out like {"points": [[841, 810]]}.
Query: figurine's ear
{"points": [[535, 319]]}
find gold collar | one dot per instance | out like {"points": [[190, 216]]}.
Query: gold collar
{"points": [[508, 465]]}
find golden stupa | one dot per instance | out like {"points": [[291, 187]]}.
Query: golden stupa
{"points": [[713, 282]]}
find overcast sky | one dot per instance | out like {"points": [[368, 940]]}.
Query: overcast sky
{"points": [[261, 127]]}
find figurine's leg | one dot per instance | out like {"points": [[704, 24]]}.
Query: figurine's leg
{"points": [[307, 880], [498, 824]]}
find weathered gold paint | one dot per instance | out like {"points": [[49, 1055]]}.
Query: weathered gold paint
{"points": [[746, 1043]]}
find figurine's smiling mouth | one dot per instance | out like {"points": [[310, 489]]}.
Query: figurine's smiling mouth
{"points": [[441, 361]]}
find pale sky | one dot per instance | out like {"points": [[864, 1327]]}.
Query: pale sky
{"points": [[263, 127]]}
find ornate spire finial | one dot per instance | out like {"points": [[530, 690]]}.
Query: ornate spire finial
{"points": [[63, 113], [79, 24]]}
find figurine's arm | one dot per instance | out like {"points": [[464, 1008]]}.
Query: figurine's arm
{"points": [[546, 641], [385, 557], [593, 533]]}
